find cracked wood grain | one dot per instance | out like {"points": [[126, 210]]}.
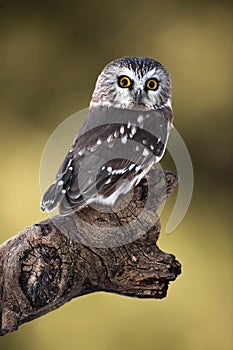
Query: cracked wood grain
{"points": [[46, 265]]}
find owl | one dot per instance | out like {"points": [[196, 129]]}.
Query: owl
{"points": [[125, 134]]}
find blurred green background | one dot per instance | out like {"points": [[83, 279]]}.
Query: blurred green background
{"points": [[51, 54]]}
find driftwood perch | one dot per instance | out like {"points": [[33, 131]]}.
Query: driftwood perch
{"points": [[58, 259]]}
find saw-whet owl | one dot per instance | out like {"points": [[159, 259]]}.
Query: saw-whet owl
{"points": [[124, 135]]}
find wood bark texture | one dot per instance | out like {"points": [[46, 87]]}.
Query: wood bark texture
{"points": [[49, 263]]}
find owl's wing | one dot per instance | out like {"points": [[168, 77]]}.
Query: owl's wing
{"points": [[104, 162], [83, 147]]}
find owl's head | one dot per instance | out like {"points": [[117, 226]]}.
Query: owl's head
{"points": [[133, 83]]}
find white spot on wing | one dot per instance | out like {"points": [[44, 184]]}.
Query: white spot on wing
{"points": [[131, 166], [122, 129], [138, 168], [109, 139], [125, 187], [133, 130], [124, 139], [109, 169], [145, 152], [119, 171], [140, 119], [92, 149], [69, 162]]}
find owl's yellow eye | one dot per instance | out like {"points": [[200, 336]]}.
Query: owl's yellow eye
{"points": [[124, 81], [152, 84]]}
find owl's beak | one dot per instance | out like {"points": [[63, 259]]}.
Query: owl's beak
{"points": [[138, 96]]}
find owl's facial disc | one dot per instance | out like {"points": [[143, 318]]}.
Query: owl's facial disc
{"points": [[134, 91], [133, 83]]}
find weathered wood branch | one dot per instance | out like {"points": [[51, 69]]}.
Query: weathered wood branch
{"points": [[55, 260]]}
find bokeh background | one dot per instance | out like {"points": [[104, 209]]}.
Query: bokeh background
{"points": [[50, 55]]}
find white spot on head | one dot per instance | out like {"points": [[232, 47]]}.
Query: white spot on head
{"points": [[137, 148], [144, 142], [103, 167]]}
